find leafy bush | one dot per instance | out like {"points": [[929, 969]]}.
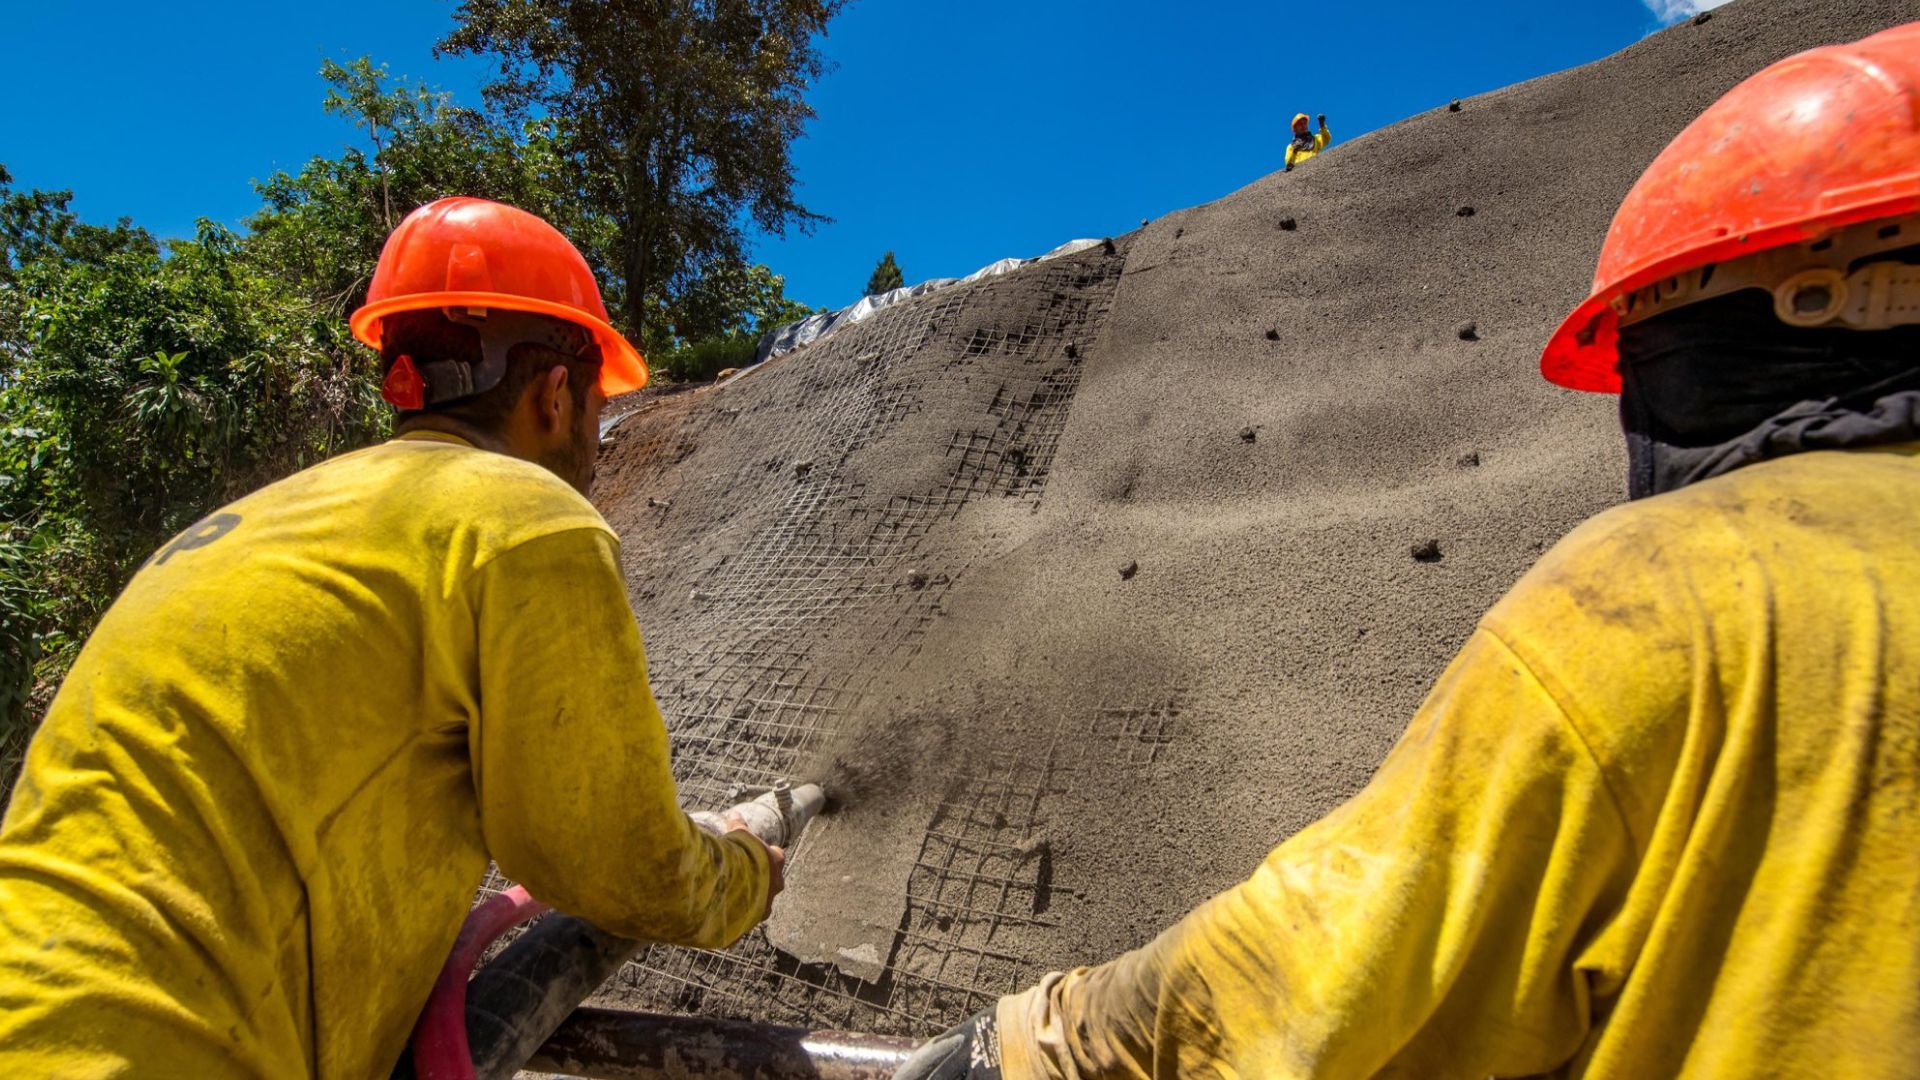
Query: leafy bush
{"points": [[703, 360], [139, 391], [143, 384], [19, 645]]}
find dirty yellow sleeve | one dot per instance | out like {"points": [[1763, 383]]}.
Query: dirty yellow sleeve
{"points": [[570, 758], [1394, 930], [253, 820], [1656, 819]]}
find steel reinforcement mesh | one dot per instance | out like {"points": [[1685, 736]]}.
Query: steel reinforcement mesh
{"points": [[821, 597]]}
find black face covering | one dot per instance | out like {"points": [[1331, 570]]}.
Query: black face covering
{"points": [[1723, 383]]}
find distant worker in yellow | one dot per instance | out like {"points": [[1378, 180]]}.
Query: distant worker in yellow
{"points": [[1660, 816], [254, 819], [1306, 143]]}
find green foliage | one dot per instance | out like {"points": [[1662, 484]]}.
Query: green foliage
{"points": [[139, 390], [719, 320], [142, 383], [733, 298], [703, 360], [322, 229], [673, 121], [20, 606], [885, 277], [162, 381]]}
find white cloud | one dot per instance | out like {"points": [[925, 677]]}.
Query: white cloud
{"points": [[1674, 10]]}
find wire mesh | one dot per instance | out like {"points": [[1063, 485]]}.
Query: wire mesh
{"points": [[841, 564], [1138, 732], [981, 870]]}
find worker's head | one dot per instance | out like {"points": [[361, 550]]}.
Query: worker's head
{"points": [[1300, 124], [541, 398], [1769, 256], [486, 317]]}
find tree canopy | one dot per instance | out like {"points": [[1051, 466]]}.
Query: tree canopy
{"points": [[673, 122], [143, 382]]}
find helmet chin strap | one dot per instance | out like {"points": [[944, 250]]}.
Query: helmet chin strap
{"points": [[500, 330]]}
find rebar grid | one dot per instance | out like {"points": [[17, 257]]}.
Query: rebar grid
{"points": [[984, 865], [986, 341], [752, 671], [757, 736], [835, 560], [1140, 732]]}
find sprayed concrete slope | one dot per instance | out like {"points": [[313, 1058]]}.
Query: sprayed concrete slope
{"points": [[1087, 585]]}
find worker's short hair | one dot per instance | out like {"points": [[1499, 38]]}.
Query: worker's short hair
{"points": [[429, 336]]}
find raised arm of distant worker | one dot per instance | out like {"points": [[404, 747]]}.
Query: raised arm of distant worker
{"points": [[577, 799], [1302, 146]]}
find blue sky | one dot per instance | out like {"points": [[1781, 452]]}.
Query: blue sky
{"points": [[953, 133]]}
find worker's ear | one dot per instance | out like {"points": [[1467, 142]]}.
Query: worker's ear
{"points": [[553, 396]]}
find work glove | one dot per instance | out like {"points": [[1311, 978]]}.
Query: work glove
{"points": [[970, 1051]]}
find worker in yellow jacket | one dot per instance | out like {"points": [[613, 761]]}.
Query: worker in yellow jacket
{"points": [[1306, 143], [1660, 816], [255, 816]]}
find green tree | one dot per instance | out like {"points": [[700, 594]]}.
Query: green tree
{"points": [[140, 386], [733, 298], [19, 647], [719, 320], [674, 118], [885, 277], [144, 383], [322, 228]]}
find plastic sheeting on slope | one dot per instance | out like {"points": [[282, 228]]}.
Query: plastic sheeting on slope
{"points": [[814, 327]]}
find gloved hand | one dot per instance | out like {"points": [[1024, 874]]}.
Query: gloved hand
{"points": [[970, 1051], [1323, 119]]}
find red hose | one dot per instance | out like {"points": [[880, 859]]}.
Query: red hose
{"points": [[440, 1049]]}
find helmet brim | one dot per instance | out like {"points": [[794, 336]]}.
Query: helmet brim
{"points": [[1584, 353]]}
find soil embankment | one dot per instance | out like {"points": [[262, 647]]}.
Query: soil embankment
{"points": [[1091, 583]]}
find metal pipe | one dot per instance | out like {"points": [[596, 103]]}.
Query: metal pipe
{"points": [[611, 1044]]}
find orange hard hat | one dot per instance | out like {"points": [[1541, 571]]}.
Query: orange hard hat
{"points": [[1817, 142], [476, 254]]}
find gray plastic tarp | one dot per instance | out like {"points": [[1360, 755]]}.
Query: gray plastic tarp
{"points": [[814, 327]]}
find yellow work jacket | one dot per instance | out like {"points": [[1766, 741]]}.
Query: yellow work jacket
{"points": [[1320, 140], [1659, 818], [255, 816]]}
